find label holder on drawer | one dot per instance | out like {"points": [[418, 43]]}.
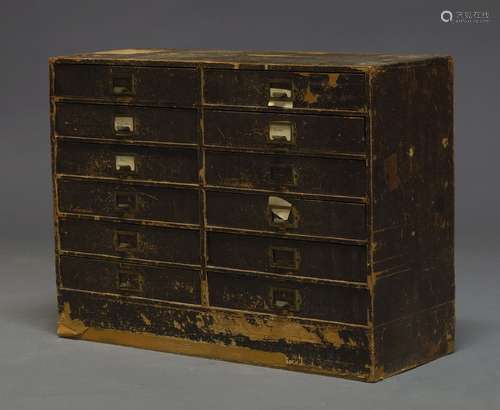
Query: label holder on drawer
{"points": [[285, 299], [125, 201], [125, 164], [281, 133], [122, 84], [284, 258], [123, 125], [280, 95], [129, 281], [126, 241]]}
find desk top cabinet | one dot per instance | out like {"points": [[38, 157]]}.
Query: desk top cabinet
{"points": [[286, 209]]}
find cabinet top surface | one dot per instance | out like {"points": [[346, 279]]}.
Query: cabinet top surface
{"points": [[251, 58]]}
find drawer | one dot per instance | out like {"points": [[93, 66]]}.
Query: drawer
{"points": [[287, 297], [130, 240], [306, 133], [279, 89], [125, 122], [126, 200], [287, 173], [287, 257], [128, 162], [283, 213], [158, 85], [163, 283]]}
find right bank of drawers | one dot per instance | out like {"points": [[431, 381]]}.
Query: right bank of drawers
{"points": [[285, 206]]}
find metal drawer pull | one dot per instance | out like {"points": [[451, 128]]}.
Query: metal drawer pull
{"points": [[280, 133], [122, 85], [280, 209], [280, 95], [284, 258], [125, 163], [126, 240], [125, 201], [284, 299], [130, 281], [123, 125]]}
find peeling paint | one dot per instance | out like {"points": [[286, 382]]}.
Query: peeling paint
{"points": [[68, 327]]}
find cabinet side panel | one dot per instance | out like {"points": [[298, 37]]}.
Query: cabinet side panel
{"points": [[53, 155], [413, 205]]}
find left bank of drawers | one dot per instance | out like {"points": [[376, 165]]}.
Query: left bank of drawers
{"points": [[126, 163]]}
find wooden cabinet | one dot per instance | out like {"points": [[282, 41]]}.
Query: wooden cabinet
{"points": [[293, 210]]}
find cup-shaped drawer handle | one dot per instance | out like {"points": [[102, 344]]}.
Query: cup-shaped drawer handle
{"points": [[281, 213], [130, 281], [125, 201], [281, 133], [285, 299], [125, 241], [125, 163], [123, 125], [280, 95], [283, 175], [122, 85], [284, 258]]}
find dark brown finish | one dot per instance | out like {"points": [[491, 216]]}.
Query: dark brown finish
{"points": [[413, 250], [150, 124], [128, 200], [153, 164], [130, 240], [287, 209], [308, 90], [313, 134], [307, 217], [163, 283], [340, 304], [287, 173], [173, 86], [312, 259]]}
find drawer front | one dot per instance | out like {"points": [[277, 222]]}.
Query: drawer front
{"points": [[100, 121], [129, 162], [331, 91], [125, 200], [285, 132], [286, 214], [171, 284], [289, 174], [287, 257], [176, 86], [129, 240], [325, 302]]}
